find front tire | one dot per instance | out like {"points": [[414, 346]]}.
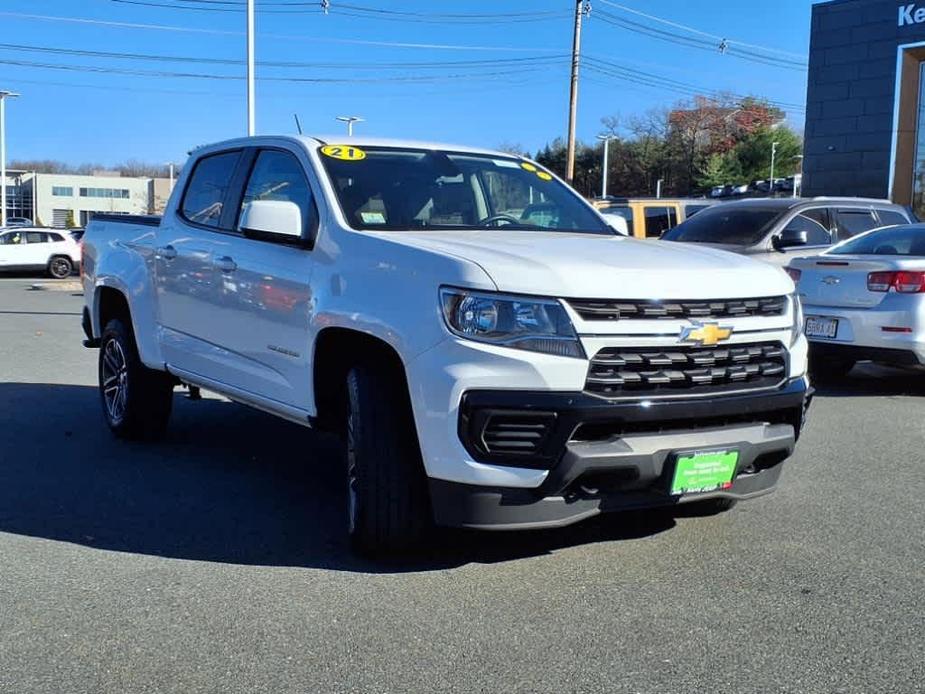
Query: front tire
{"points": [[60, 267], [136, 400], [387, 498]]}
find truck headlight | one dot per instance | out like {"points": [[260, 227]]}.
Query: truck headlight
{"points": [[797, 329], [520, 322]]}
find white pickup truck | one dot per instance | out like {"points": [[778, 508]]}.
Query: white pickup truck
{"points": [[495, 355]]}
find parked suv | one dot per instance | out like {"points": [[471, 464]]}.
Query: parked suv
{"points": [[493, 353], [778, 230], [50, 250]]}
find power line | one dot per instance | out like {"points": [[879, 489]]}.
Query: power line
{"points": [[136, 72], [280, 37], [475, 64], [692, 30], [700, 44], [633, 76], [349, 10]]}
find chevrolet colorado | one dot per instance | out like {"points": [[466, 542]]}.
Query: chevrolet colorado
{"points": [[494, 354]]}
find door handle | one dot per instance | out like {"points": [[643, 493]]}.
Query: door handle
{"points": [[225, 264], [167, 253]]}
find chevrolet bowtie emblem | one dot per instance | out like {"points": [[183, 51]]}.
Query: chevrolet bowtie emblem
{"points": [[706, 334]]}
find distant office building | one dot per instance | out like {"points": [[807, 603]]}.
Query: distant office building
{"points": [[59, 200], [865, 121]]}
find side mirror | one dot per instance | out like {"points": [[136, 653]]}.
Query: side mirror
{"points": [[789, 238], [272, 220], [618, 223]]}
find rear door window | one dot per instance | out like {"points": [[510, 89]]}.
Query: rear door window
{"points": [[36, 237], [206, 193], [891, 218], [659, 220], [853, 222]]}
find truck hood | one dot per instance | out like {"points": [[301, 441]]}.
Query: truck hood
{"points": [[601, 266]]}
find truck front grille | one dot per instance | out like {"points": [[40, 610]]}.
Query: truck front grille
{"points": [[633, 372], [612, 310]]}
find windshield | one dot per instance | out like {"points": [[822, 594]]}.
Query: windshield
{"points": [[906, 241], [382, 188], [726, 225]]}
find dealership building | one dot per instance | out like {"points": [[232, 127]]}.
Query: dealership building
{"points": [[61, 200], [865, 121]]}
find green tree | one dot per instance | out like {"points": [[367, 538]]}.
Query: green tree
{"points": [[754, 153], [69, 220], [719, 170]]}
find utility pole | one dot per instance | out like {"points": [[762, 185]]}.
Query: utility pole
{"points": [[251, 124], [4, 95], [350, 120], [606, 140], [773, 157], [582, 7]]}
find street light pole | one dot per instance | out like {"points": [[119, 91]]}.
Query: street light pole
{"points": [[771, 182], [3, 97], [606, 140], [251, 106], [349, 120]]}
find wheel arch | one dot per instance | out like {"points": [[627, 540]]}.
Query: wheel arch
{"points": [[336, 350], [113, 300]]}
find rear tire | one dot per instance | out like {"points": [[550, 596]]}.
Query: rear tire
{"points": [[60, 267], [388, 504], [829, 370], [136, 400]]}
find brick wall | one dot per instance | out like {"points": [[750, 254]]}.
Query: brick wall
{"points": [[850, 96]]}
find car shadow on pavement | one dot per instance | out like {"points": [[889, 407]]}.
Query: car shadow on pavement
{"points": [[228, 484], [872, 379]]}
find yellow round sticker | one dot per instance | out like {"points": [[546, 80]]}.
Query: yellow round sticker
{"points": [[343, 152], [544, 176], [526, 166]]}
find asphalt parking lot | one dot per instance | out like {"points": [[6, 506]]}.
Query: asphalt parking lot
{"points": [[215, 561]]}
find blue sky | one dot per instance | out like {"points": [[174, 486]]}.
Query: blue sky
{"points": [[105, 117]]}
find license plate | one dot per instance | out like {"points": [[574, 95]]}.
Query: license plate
{"points": [[696, 473], [821, 327]]}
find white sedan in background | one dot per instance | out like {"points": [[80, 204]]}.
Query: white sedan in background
{"points": [[864, 300], [48, 250]]}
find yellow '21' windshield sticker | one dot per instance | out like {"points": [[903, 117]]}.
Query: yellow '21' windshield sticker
{"points": [[544, 176], [343, 152], [527, 166]]}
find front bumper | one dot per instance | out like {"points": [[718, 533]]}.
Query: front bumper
{"points": [[626, 459]]}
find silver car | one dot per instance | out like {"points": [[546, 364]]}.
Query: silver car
{"points": [[864, 300], [777, 230]]}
